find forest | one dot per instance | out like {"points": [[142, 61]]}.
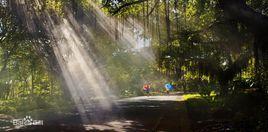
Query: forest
{"points": [[56, 55]]}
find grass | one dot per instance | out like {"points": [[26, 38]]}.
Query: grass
{"points": [[191, 96], [196, 95], [243, 111]]}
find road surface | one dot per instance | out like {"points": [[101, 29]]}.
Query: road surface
{"points": [[144, 113]]}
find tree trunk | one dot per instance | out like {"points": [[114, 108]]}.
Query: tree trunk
{"points": [[176, 15], [167, 20], [223, 88]]}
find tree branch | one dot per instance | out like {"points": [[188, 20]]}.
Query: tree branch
{"points": [[240, 11], [156, 3], [127, 5]]}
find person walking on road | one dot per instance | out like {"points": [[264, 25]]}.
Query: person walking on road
{"points": [[146, 89], [168, 87]]}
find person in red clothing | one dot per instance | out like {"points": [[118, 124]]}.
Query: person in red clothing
{"points": [[146, 88]]}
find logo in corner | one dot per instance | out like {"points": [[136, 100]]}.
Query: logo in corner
{"points": [[26, 121]]}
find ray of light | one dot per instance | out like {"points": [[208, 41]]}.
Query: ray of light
{"points": [[86, 83], [131, 38]]}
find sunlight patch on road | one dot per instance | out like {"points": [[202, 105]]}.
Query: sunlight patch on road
{"points": [[117, 125], [154, 98]]}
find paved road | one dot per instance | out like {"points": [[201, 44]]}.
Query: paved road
{"points": [[145, 113], [153, 113]]}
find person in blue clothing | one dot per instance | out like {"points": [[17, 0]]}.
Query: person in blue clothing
{"points": [[168, 87]]}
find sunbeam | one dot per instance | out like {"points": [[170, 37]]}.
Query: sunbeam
{"points": [[133, 65], [131, 38], [85, 82], [77, 60]]}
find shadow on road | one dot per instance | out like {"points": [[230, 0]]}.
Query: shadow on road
{"points": [[153, 113]]}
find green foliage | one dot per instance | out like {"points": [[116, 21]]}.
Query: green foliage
{"points": [[26, 83], [203, 43], [259, 6], [236, 109], [191, 96], [195, 46]]}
